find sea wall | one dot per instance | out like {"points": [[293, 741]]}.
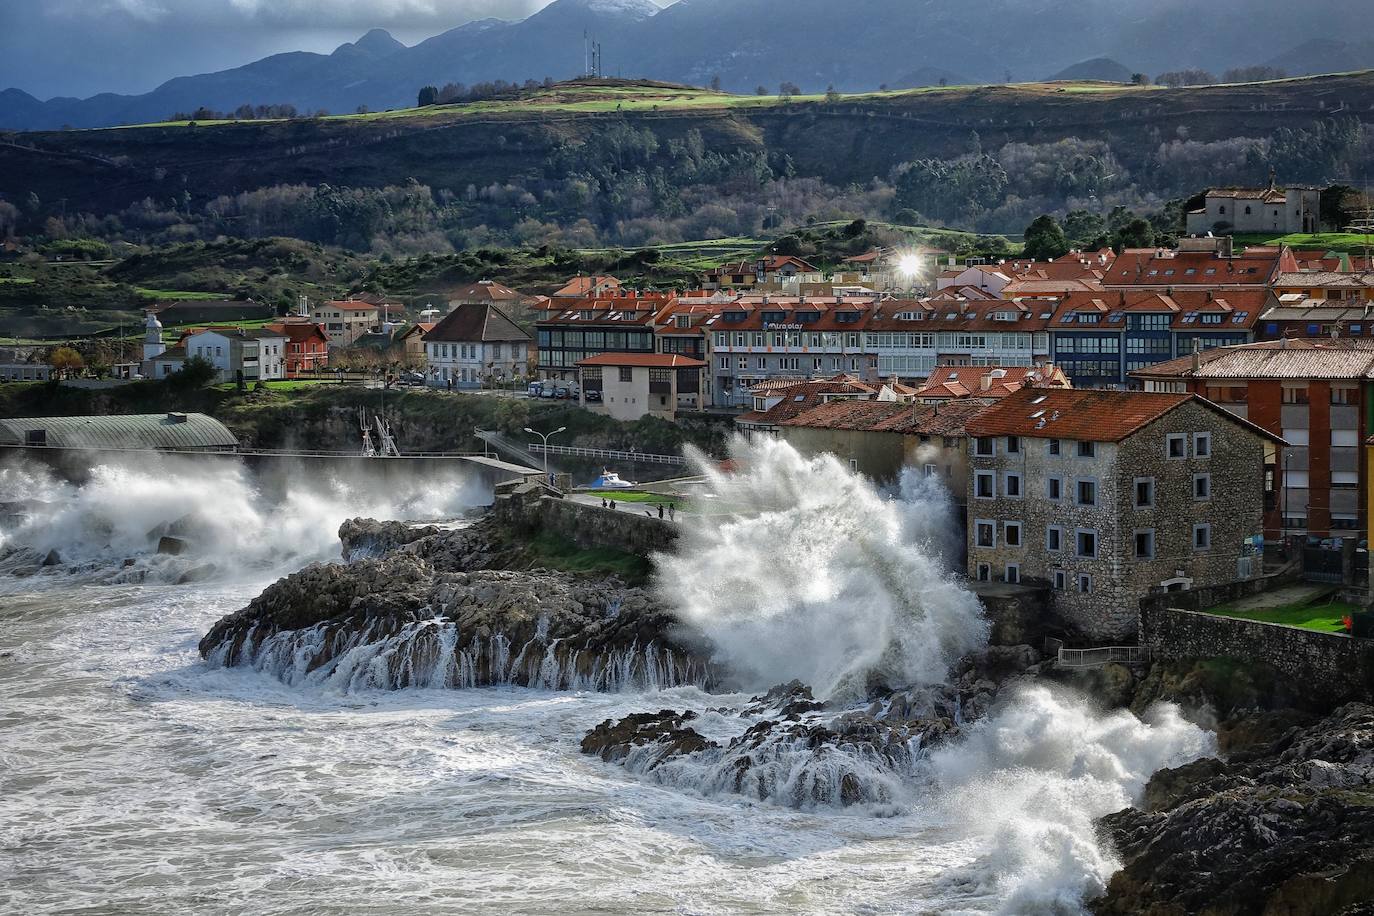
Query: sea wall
{"points": [[532, 509], [1335, 667]]}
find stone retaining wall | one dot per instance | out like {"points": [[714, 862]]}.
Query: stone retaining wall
{"points": [[533, 509], [1335, 667]]}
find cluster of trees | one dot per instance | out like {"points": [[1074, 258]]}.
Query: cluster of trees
{"points": [[450, 93], [1198, 77], [246, 113], [1047, 238]]}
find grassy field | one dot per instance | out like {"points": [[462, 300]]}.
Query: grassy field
{"points": [[1328, 617], [583, 98], [1309, 241]]}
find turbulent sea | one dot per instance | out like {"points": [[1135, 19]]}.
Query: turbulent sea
{"points": [[135, 778]]}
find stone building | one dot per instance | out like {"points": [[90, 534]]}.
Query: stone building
{"points": [[1109, 496]]}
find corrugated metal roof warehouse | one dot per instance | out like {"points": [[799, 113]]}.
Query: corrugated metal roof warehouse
{"points": [[192, 431]]}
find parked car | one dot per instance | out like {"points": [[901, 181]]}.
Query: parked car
{"points": [[412, 379], [562, 393], [546, 392], [593, 397], [534, 389]]}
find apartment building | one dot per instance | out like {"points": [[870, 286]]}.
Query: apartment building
{"points": [[1100, 338], [1106, 497], [346, 321], [1315, 394], [240, 354], [571, 332]]}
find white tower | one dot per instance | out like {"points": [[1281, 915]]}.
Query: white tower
{"points": [[153, 347]]}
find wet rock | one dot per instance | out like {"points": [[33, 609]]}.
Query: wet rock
{"points": [[787, 701], [665, 730], [198, 574], [171, 546], [435, 611], [365, 537], [53, 558], [1283, 829]]}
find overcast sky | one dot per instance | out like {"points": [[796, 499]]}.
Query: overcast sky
{"points": [[81, 47]]}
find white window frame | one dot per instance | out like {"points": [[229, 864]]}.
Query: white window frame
{"points": [[984, 572], [1198, 440], [978, 447], [1182, 440], [1085, 584], [991, 478]]}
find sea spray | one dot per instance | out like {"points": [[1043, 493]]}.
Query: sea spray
{"points": [[1032, 777], [216, 506], [802, 569]]}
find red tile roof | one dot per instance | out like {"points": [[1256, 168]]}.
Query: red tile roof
{"points": [[1340, 359], [1082, 414], [1159, 267], [801, 397], [1241, 307], [484, 291], [650, 360], [954, 382], [299, 331], [581, 287], [890, 417]]}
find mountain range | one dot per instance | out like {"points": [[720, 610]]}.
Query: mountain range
{"points": [[858, 45]]}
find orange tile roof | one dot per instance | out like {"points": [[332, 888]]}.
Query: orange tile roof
{"points": [[801, 397], [1075, 413], [956, 382], [890, 417]]}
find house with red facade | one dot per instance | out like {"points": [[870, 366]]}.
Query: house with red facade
{"points": [[307, 346], [1313, 393]]}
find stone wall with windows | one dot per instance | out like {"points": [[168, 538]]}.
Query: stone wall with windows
{"points": [[1106, 524]]}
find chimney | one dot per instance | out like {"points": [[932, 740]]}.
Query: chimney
{"points": [[985, 382]]}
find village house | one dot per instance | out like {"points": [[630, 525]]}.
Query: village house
{"points": [[412, 341], [881, 439], [1205, 263], [22, 364], [1106, 497], [476, 345], [628, 386], [1280, 211], [1312, 393], [307, 346], [778, 400], [579, 288], [347, 321], [955, 383], [239, 354]]}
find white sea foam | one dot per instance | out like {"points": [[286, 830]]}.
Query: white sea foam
{"points": [[809, 572], [220, 509]]}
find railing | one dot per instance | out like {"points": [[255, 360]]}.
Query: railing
{"points": [[239, 452], [608, 454], [1096, 658]]}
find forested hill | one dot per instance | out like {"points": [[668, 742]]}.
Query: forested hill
{"points": [[603, 155]]}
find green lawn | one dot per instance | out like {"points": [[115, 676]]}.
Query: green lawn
{"points": [[295, 384], [176, 294], [1325, 618], [16, 279]]}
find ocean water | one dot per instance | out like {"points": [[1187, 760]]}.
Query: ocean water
{"points": [[136, 778]]}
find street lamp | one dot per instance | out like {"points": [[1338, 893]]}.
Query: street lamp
{"points": [[546, 438]]}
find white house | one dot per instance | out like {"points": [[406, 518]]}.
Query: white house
{"points": [[476, 343], [253, 355]]}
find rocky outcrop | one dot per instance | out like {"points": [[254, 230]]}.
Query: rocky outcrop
{"points": [[366, 537], [790, 749], [436, 610], [1282, 827]]}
